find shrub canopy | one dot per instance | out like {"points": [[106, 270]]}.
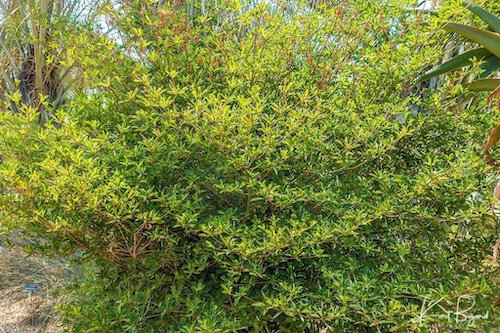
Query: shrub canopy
{"points": [[266, 167]]}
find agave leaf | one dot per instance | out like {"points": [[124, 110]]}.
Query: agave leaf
{"points": [[490, 40], [491, 65], [496, 192], [493, 139], [457, 62], [483, 85], [490, 19]]}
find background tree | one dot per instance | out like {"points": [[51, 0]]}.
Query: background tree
{"points": [[32, 46]]}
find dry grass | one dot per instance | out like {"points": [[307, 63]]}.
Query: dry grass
{"points": [[23, 312]]}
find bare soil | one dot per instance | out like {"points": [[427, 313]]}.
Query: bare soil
{"points": [[29, 312]]}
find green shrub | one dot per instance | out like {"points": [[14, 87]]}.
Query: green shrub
{"points": [[258, 169]]}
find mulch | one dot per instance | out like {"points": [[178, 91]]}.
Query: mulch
{"points": [[27, 286]]}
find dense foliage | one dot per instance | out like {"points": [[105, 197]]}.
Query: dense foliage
{"points": [[258, 168]]}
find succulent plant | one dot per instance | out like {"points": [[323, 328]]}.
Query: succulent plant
{"points": [[489, 51]]}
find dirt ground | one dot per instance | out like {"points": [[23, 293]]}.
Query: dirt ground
{"points": [[29, 312]]}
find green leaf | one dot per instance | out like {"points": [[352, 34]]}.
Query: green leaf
{"points": [[457, 62], [491, 65], [484, 85], [431, 12], [490, 40], [492, 20]]}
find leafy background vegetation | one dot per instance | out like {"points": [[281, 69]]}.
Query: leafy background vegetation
{"points": [[257, 167]]}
